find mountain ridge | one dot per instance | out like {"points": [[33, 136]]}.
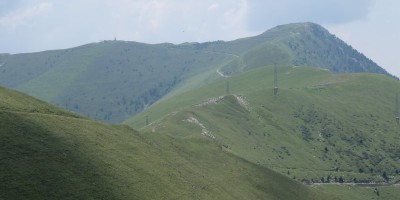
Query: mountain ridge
{"points": [[113, 80]]}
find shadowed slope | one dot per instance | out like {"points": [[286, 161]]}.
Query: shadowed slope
{"points": [[38, 162]]}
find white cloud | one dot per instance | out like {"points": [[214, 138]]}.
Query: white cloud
{"points": [[213, 6], [235, 20], [153, 13], [24, 16], [268, 13]]}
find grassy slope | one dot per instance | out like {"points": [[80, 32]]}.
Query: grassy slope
{"points": [[319, 125], [48, 153], [14, 101], [108, 81], [362, 193]]}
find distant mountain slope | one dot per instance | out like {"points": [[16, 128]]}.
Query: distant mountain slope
{"points": [[321, 127], [113, 80], [108, 81], [47, 153]]}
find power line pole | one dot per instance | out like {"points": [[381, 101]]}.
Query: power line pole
{"points": [[397, 109], [227, 88], [275, 80]]}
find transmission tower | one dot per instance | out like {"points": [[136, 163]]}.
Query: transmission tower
{"points": [[227, 88], [397, 109], [275, 80]]}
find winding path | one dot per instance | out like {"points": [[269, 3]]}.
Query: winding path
{"points": [[221, 74]]}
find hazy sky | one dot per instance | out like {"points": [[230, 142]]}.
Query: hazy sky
{"points": [[370, 26]]}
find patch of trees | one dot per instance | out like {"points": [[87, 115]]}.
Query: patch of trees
{"points": [[316, 123], [316, 48]]}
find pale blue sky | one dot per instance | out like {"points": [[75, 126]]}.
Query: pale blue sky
{"points": [[370, 26]]}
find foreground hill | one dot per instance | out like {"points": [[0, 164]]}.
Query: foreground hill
{"points": [[320, 127], [47, 153], [113, 80]]}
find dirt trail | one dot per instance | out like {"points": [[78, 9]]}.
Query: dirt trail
{"points": [[204, 130], [221, 74]]}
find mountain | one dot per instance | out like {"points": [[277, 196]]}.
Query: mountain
{"points": [[254, 118], [113, 80], [320, 127], [48, 153]]}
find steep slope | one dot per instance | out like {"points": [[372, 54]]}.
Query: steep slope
{"points": [[113, 80], [47, 153], [321, 127], [303, 44]]}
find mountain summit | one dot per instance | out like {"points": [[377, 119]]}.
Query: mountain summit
{"points": [[305, 44]]}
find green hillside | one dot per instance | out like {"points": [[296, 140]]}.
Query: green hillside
{"points": [[107, 81], [47, 153], [321, 127], [114, 80]]}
